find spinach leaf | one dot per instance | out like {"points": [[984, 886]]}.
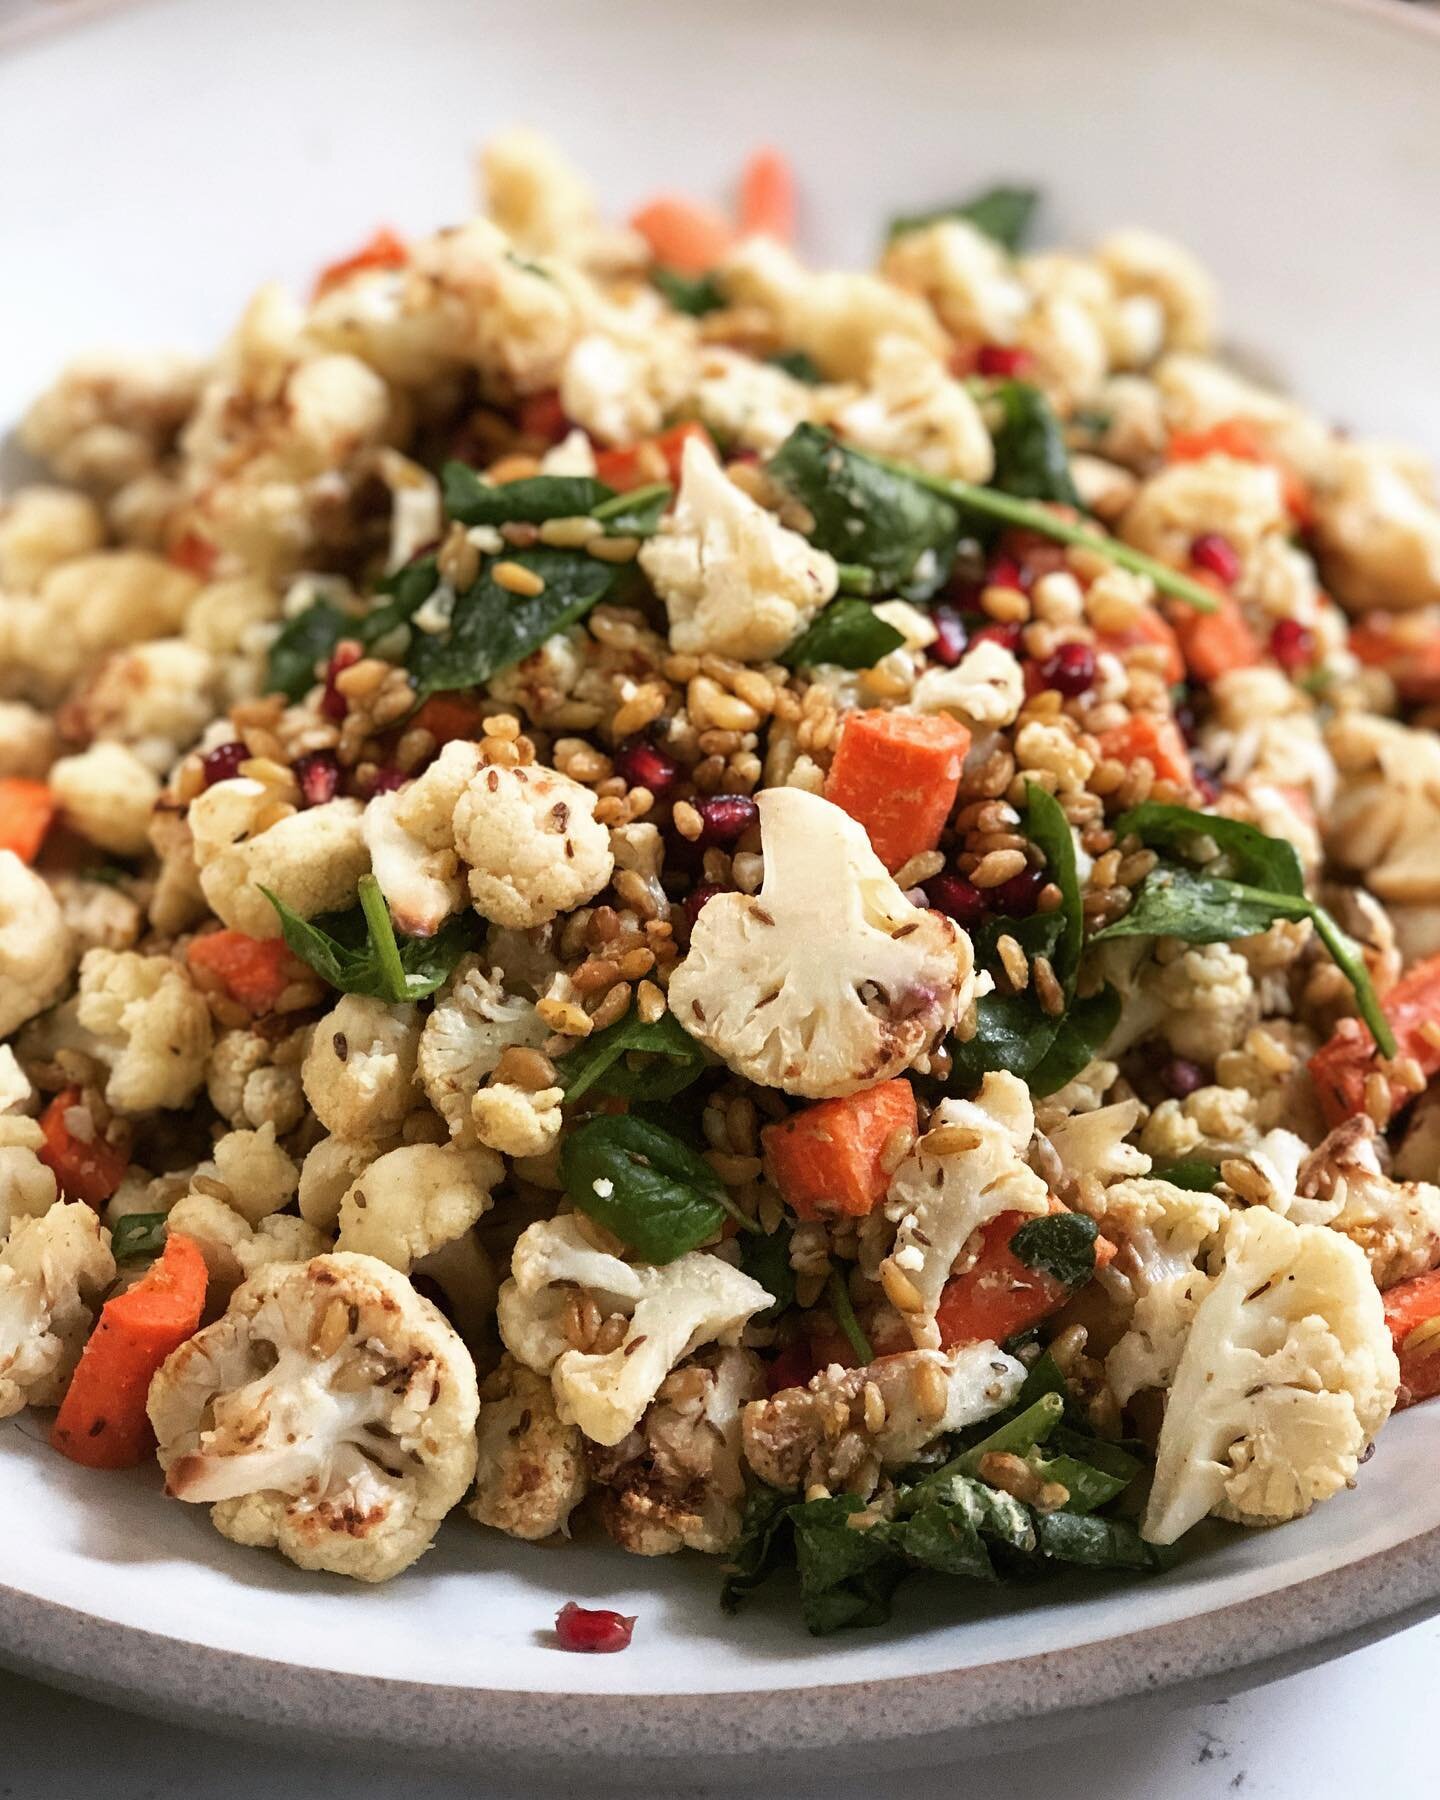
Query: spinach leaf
{"points": [[635, 513], [847, 1577], [1089, 1488], [1195, 1176], [358, 951], [1249, 854], [1083, 1032], [1073, 1537], [693, 294], [866, 513], [533, 500], [766, 1259], [1018, 1436], [1175, 900], [1030, 455], [798, 366], [1002, 212], [1061, 1245], [304, 642], [848, 634], [138, 1237], [638, 1181], [673, 1060], [492, 628], [763, 1542]]}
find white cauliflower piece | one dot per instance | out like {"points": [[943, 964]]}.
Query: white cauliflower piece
{"points": [[149, 1026], [913, 410], [1160, 1232], [258, 1174], [747, 404], [1384, 824], [535, 195], [330, 1169], [253, 1080], [531, 843], [516, 1120], [734, 580], [1263, 730], [1378, 534], [41, 527], [1243, 501], [107, 793], [530, 1473], [109, 415], [1207, 1000], [964, 275], [28, 739], [410, 1201], [359, 1072], [36, 947], [27, 1187], [473, 1023], [828, 980], [330, 1414], [1342, 1184], [673, 1310], [245, 839], [1093, 1143], [1143, 262], [986, 688], [233, 1248], [1286, 1374], [410, 835], [1211, 1123], [155, 698], [1198, 394], [54, 1271], [627, 374]]}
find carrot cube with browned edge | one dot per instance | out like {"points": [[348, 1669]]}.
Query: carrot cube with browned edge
{"points": [[999, 1296], [898, 775], [1412, 1311], [253, 971], [837, 1156], [87, 1168], [1342, 1065], [1155, 738], [26, 810]]}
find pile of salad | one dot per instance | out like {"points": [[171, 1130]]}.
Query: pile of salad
{"points": [[787, 913]]}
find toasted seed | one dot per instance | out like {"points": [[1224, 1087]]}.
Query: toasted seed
{"points": [[874, 1408], [1012, 960], [331, 1329], [997, 866], [613, 549], [900, 1290], [570, 534], [515, 578], [932, 1391], [950, 1140]]}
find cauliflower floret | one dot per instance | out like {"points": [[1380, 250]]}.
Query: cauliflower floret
{"points": [[27, 1186], [672, 1310], [1243, 501], [410, 1201], [1263, 730], [234, 1249], [530, 1474], [966, 277], [1385, 821], [986, 688], [54, 1271], [42, 527], [1143, 262], [747, 404], [1160, 1232], [330, 1415], [1207, 1000], [258, 1175], [1211, 1123], [535, 195], [330, 1169], [1341, 1184], [410, 835], [155, 698], [246, 839], [630, 370], [1069, 348], [532, 845], [253, 1080], [37, 951], [359, 1072], [1199, 394], [801, 1435], [1378, 534], [1093, 1143], [828, 980], [968, 1167], [108, 794], [473, 1023], [28, 739], [734, 580], [516, 1120], [914, 411], [151, 1028], [1287, 1373], [109, 416]]}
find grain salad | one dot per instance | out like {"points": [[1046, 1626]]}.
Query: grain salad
{"points": [[768, 911]]}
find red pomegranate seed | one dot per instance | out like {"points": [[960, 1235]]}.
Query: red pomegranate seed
{"points": [[223, 762], [949, 645], [386, 780], [1292, 645], [1069, 669], [1006, 636], [725, 818], [1217, 556], [1016, 898], [643, 765], [594, 1629], [1205, 782], [699, 898], [318, 773], [1005, 572], [956, 897], [793, 1367], [332, 702], [1003, 361], [1181, 1077]]}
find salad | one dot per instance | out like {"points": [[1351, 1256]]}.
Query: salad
{"points": [[784, 913]]}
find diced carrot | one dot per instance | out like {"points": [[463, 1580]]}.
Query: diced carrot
{"points": [[1407, 649], [195, 553], [26, 809], [654, 459], [1412, 1311], [450, 716], [767, 197], [1243, 440], [253, 971], [382, 251], [1154, 737], [542, 416], [999, 1296], [684, 235], [1150, 628], [829, 1159], [898, 774], [1214, 643], [1341, 1066], [102, 1421], [88, 1169]]}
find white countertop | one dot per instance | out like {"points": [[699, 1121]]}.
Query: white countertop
{"points": [[1331, 1731]]}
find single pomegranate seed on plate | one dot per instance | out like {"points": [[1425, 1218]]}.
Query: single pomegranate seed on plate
{"points": [[1217, 556], [642, 764], [386, 780], [1069, 669], [223, 762], [332, 702], [1005, 572], [725, 818], [1017, 897], [956, 897], [318, 773], [1292, 645], [1006, 636], [1182, 1077], [699, 898], [594, 1629], [949, 645], [1003, 361]]}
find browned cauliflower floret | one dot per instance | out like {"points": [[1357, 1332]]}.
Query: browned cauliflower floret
{"points": [[828, 980], [966, 277], [411, 1201], [28, 739], [108, 417], [258, 1175], [330, 1415], [1243, 501], [1143, 262], [1378, 533], [107, 793], [531, 843], [245, 839], [1385, 822], [530, 1475], [516, 1120], [359, 1072], [42, 527], [54, 1270], [411, 838], [472, 1024], [254, 1080], [234, 1249], [156, 698], [36, 947], [1395, 1222], [914, 410], [331, 1168], [149, 1026]]}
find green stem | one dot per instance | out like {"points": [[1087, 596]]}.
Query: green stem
{"points": [[1018, 1437], [745, 1224], [636, 497], [855, 578], [382, 935], [839, 1297]]}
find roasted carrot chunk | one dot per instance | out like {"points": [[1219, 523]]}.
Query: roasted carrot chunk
{"points": [[254, 971], [898, 774], [999, 1296], [1150, 629], [26, 809], [450, 716], [1341, 1067], [1212, 644], [88, 1169], [833, 1158], [382, 251], [1407, 649], [654, 459], [767, 197], [1155, 738], [684, 235]]}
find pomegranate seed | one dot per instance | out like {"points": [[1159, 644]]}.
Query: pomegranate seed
{"points": [[725, 818], [949, 645], [1186, 719], [1006, 636], [1005, 572], [223, 762], [1205, 780], [1016, 898], [642, 765], [1217, 556], [1069, 669], [1003, 361], [956, 897], [318, 773], [332, 702], [386, 780], [594, 1629], [793, 1367], [699, 898], [1292, 645], [1181, 1077]]}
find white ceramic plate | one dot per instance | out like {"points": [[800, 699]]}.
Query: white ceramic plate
{"points": [[155, 163]]}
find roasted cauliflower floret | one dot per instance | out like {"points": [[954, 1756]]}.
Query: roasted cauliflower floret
{"points": [[28, 739], [54, 1270], [41, 527], [108, 417], [1385, 821], [1094, 1143], [968, 1167], [253, 1080], [912, 409], [964, 275], [1285, 1376], [233, 1248], [1341, 1184], [246, 839], [531, 843], [986, 688], [1243, 501], [1207, 1000], [258, 1175], [410, 835], [473, 1023], [155, 698], [530, 1474], [748, 404], [359, 1072], [107, 793], [330, 1414], [1160, 1231], [150, 1026], [27, 1186], [36, 947], [629, 370], [828, 980], [735, 581], [410, 1201], [517, 1120], [1378, 534]]}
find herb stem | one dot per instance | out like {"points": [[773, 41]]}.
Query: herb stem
{"points": [[745, 1224], [855, 578], [1018, 1436], [635, 497], [839, 1297], [382, 935]]}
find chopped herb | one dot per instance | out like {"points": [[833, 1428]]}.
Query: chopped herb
{"points": [[138, 1237], [1062, 1245], [838, 1294], [358, 951], [797, 365], [1002, 213], [1193, 1174], [1031, 460], [656, 1194], [848, 634], [634, 1060], [693, 294]]}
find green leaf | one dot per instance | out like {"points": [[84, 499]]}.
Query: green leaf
{"points": [[1030, 455], [1096, 1543], [1061, 1245], [138, 1237], [766, 1258], [764, 1540], [673, 1060], [1249, 854], [531, 501], [865, 513], [1177, 901], [1089, 1488], [838, 1294], [638, 1181], [1002, 212], [491, 628], [636, 513], [693, 294], [1084, 1029], [798, 366], [1195, 1176], [848, 634], [304, 642], [1018, 1436], [358, 952], [847, 1577]]}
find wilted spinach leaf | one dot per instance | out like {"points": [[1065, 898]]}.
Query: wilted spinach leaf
{"points": [[848, 634], [638, 1181], [138, 1237], [602, 1062], [1030, 455], [303, 642], [797, 365], [693, 294], [359, 952], [1062, 1245], [1002, 212], [766, 1259], [533, 500], [1192, 1174]]}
